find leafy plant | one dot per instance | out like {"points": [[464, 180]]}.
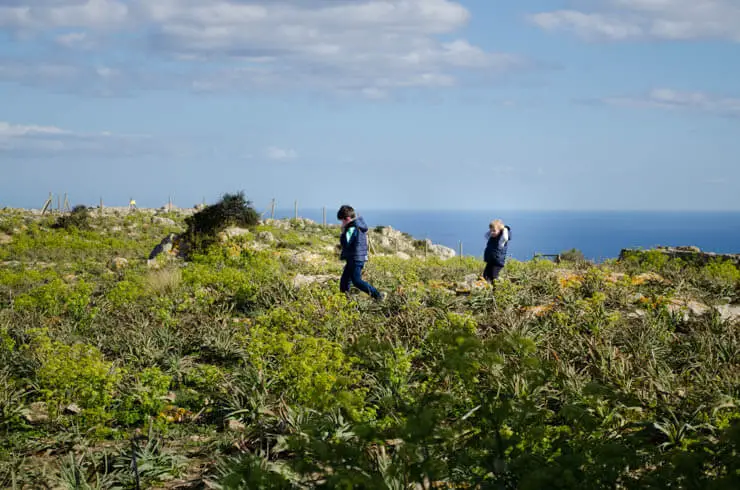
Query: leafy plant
{"points": [[78, 218], [231, 210]]}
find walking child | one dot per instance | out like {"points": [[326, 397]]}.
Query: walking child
{"points": [[498, 236], [354, 250]]}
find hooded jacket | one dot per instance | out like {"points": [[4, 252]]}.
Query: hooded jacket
{"points": [[497, 248], [354, 240]]}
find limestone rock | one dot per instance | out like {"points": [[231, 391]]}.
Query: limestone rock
{"points": [[118, 264], [5, 238], [235, 426], [72, 409], [265, 237], [688, 307], [233, 232], [403, 255], [279, 224], [306, 258], [471, 282], [159, 220], [301, 280], [729, 312], [441, 251], [36, 413]]}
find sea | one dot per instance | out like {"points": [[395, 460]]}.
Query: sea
{"points": [[600, 235]]}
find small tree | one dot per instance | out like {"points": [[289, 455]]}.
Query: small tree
{"points": [[79, 218], [572, 255], [205, 225]]}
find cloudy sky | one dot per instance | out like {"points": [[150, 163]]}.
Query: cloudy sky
{"points": [[413, 104]]}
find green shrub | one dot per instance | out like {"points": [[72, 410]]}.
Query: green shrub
{"points": [[145, 396], [74, 374], [78, 218], [314, 372], [572, 255], [232, 210], [721, 276]]}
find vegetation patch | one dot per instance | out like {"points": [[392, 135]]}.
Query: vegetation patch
{"points": [[220, 372]]}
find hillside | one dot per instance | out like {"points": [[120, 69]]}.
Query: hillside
{"points": [[243, 366]]}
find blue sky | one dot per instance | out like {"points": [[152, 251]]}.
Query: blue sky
{"points": [[413, 104]]}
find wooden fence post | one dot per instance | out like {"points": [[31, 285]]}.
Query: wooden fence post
{"points": [[295, 209], [47, 204], [272, 210], [461, 249], [323, 218]]}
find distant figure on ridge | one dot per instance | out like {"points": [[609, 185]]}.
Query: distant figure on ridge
{"points": [[132, 205], [354, 250], [498, 236]]}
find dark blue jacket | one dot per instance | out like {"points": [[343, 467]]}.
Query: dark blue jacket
{"points": [[356, 248], [496, 251]]}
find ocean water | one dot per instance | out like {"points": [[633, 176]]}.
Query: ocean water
{"points": [[599, 235]]}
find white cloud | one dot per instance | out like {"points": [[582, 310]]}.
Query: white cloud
{"points": [[620, 20], [76, 40], [365, 47], [666, 98], [36, 140], [38, 15], [280, 154]]}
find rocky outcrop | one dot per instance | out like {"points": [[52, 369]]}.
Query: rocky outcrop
{"points": [[386, 240]]}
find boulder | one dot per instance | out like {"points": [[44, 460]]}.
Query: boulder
{"points": [[235, 426], [306, 258], [233, 232], [36, 413], [729, 312], [301, 280], [265, 237], [5, 238], [471, 282], [159, 220], [72, 409], [279, 224], [403, 255], [441, 251], [118, 264], [688, 307]]}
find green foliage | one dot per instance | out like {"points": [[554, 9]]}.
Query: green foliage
{"points": [[649, 260], [232, 210], [12, 403], [722, 277], [572, 255], [77, 374], [57, 298], [78, 218], [144, 397], [559, 376], [314, 372]]}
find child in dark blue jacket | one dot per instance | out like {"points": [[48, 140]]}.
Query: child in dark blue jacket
{"points": [[354, 250], [498, 236]]}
